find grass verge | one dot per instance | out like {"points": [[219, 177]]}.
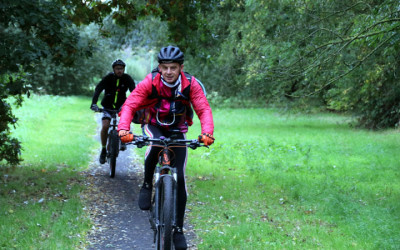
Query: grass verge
{"points": [[306, 181], [40, 199]]}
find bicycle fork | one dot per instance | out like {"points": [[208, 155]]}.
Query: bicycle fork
{"points": [[162, 170]]}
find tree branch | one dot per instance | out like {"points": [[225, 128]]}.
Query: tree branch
{"points": [[342, 11], [347, 72], [359, 36], [348, 41]]}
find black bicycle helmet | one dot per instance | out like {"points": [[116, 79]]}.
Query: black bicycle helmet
{"points": [[118, 62], [170, 54]]}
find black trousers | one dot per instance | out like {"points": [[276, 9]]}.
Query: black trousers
{"points": [[150, 163]]}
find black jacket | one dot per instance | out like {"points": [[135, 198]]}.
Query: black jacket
{"points": [[109, 85]]}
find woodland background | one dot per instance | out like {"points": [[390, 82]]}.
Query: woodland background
{"points": [[337, 56]]}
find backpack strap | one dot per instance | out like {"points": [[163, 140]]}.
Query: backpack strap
{"points": [[202, 87], [188, 76], [154, 72]]}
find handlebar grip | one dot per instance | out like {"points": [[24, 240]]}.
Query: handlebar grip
{"points": [[127, 138]]}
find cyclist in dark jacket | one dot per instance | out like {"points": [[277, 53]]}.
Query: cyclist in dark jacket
{"points": [[115, 84]]}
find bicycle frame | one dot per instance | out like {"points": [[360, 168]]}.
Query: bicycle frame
{"points": [[114, 121], [113, 141]]}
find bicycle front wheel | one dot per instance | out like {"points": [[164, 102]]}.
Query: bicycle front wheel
{"points": [[164, 239], [114, 150]]}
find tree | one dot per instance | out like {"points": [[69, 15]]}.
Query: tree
{"points": [[29, 31], [44, 35], [341, 55], [347, 58]]}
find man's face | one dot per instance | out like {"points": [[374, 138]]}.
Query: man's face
{"points": [[119, 70], [170, 71]]}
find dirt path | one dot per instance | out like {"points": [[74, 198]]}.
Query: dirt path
{"points": [[112, 205]]}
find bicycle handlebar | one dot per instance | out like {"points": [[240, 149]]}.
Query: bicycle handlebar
{"points": [[141, 141]]}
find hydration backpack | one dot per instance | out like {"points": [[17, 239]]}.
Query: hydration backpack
{"points": [[142, 116]]}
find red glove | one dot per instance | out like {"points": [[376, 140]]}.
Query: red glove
{"points": [[207, 139], [127, 138]]}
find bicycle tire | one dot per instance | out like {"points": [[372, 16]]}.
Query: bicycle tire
{"points": [[164, 234], [158, 205], [114, 150]]}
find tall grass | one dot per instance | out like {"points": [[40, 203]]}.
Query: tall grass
{"points": [[286, 181], [40, 200]]}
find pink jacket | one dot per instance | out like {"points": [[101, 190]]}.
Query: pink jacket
{"points": [[139, 99]]}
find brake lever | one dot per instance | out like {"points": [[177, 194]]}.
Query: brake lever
{"points": [[140, 142], [196, 144]]}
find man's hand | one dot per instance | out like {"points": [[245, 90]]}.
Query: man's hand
{"points": [[123, 132], [207, 139], [94, 107], [125, 136]]}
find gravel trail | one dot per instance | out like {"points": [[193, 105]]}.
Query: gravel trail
{"points": [[112, 205]]}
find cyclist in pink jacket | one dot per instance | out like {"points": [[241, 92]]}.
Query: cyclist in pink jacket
{"points": [[163, 103]]}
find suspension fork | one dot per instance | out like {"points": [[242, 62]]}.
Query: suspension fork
{"points": [[165, 168]]}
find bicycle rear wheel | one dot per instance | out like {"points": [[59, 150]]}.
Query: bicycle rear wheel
{"points": [[114, 150], [164, 232]]}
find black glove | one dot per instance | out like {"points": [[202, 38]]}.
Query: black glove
{"points": [[94, 107]]}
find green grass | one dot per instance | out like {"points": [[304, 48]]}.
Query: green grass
{"points": [[40, 199], [270, 181], [56, 131], [285, 181]]}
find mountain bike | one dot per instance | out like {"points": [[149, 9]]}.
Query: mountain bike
{"points": [[113, 141], [162, 214]]}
